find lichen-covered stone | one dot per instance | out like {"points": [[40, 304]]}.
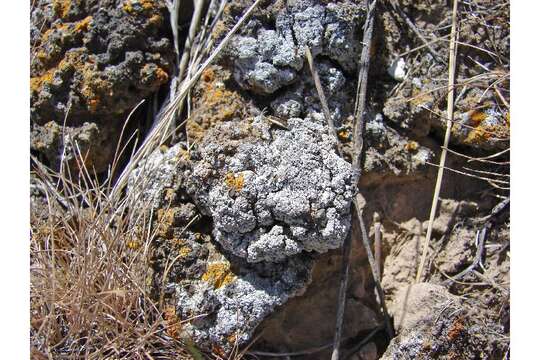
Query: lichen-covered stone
{"points": [[93, 62], [434, 324], [295, 192], [222, 298], [266, 60]]}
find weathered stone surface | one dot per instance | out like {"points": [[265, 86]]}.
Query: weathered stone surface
{"points": [[481, 113], [277, 195], [269, 58], [432, 323], [224, 296], [93, 62]]}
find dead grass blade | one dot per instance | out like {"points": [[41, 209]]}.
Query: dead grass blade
{"points": [[450, 116]]}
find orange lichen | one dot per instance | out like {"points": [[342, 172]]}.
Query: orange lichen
{"points": [[477, 117], [218, 274], [411, 146], [343, 135], [61, 7], [213, 103], [162, 75], [147, 4], [156, 20], [456, 329], [173, 324], [83, 25], [232, 338], [208, 75], [235, 182]]}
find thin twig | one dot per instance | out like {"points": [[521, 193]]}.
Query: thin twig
{"points": [[357, 212], [357, 153], [480, 240], [377, 246], [322, 98], [450, 114]]}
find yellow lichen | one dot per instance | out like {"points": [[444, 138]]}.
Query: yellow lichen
{"points": [[411, 146], [184, 251], [163, 148], [83, 25], [36, 83], [218, 274], [184, 154], [343, 135], [133, 244], [420, 98], [131, 6], [128, 7], [165, 221], [61, 7], [235, 182]]}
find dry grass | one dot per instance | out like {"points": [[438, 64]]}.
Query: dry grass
{"points": [[90, 294]]}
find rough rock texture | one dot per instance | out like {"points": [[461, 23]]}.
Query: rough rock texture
{"points": [[92, 62], [482, 120], [250, 206], [470, 329], [433, 324], [284, 192], [269, 55], [240, 167]]}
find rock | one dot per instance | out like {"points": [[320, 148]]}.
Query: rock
{"points": [[71, 144], [391, 152], [481, 118], [94, 61], [398, 70], [266, 60], [273, 197], [432, 323], [221, 297]]}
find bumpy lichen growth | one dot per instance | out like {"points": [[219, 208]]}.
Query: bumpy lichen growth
{"points": [[293, 193], [267, 59]]}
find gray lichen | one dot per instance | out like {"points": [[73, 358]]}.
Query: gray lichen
{"points": [[278, 197], [266, 60]]}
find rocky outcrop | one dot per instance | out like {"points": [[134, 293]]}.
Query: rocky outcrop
{"points": [[92, 62], [274, 196]]}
